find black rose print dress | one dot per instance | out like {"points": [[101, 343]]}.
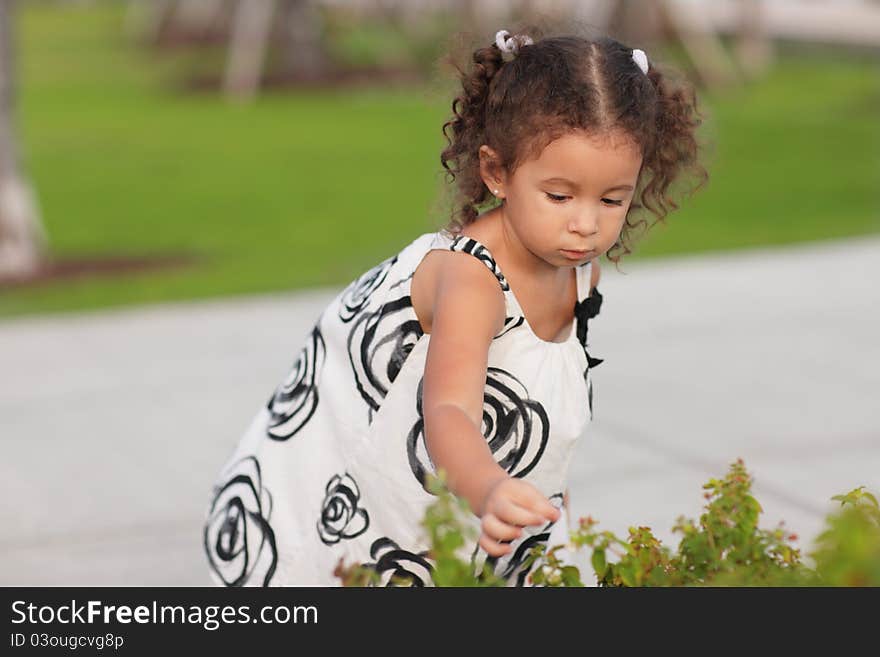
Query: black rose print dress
{"points": [[334, 465]]}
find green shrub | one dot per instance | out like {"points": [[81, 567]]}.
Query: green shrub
{"points": [[725, 548]]}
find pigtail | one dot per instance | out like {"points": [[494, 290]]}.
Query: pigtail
{"points": [[671, 155], [461, 157]]}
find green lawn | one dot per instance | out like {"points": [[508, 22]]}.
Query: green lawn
{"points": [[306, 189]]}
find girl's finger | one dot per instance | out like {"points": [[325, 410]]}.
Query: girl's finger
{"points": [[534, 501], [514, 514], [493, 547], [498, 529]]}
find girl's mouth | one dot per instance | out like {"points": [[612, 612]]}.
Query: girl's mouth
{"points": [[576, 255]]}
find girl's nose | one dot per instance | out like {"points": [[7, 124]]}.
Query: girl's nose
{"points": [[586, 223]]}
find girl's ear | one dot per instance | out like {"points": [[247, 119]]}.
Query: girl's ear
{"points": [[491, 170]]}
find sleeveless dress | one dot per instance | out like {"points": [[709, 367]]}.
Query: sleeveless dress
{"points": [[333, 466]]}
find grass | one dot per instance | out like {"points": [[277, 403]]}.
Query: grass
{"points": [[312, 188]]}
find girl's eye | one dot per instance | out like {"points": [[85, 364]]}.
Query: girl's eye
{"points": [[556, 198]]}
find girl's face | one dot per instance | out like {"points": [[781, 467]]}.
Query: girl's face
{"points": [[573, 197]]}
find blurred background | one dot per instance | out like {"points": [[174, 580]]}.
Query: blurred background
{"points": [[185, 183]]}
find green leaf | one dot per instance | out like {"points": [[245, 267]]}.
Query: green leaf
{"points": [[571, 576], [598, 560]]}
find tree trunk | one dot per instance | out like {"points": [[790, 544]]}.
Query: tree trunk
{"points": [[304, 56], [251, 29], [753, 48], [22, 240], [703, 45]]}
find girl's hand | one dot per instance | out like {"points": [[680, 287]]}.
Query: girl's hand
{"points": [[510, 505]]}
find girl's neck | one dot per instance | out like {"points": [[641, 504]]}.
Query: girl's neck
{"points": [[516, 258]]}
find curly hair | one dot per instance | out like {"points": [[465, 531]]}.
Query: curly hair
{"points": [[562, 83]]}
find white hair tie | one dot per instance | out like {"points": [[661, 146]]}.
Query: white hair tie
{"points": [[511, 44], [640, 58]]}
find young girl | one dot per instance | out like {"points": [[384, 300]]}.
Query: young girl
{"points": [[466, 351]]}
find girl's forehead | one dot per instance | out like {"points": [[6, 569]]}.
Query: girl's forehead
{"points": [[580, 156]]}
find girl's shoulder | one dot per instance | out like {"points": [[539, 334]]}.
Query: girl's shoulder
{"points": [[460, 286]]}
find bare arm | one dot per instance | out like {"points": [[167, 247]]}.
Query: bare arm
{"points": [[468, 311]]}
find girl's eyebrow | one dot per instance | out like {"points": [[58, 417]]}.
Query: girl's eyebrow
{"points": [[574, 185], [564, 181]]}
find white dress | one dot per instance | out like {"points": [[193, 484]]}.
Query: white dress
{"points": [[333, 466]]}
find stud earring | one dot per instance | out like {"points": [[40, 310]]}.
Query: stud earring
{"points": [[495, 191]]}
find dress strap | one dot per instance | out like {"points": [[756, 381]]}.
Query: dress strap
{"points": [[469, 245], [513, 312], [587, 307]]}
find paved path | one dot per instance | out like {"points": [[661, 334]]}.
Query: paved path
{"points": [[115, 423]]}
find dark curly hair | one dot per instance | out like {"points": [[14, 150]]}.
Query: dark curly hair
{"points": [[563, 83]]}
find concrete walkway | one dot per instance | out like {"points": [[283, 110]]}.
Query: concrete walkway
{"points": [[114, 424]]}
